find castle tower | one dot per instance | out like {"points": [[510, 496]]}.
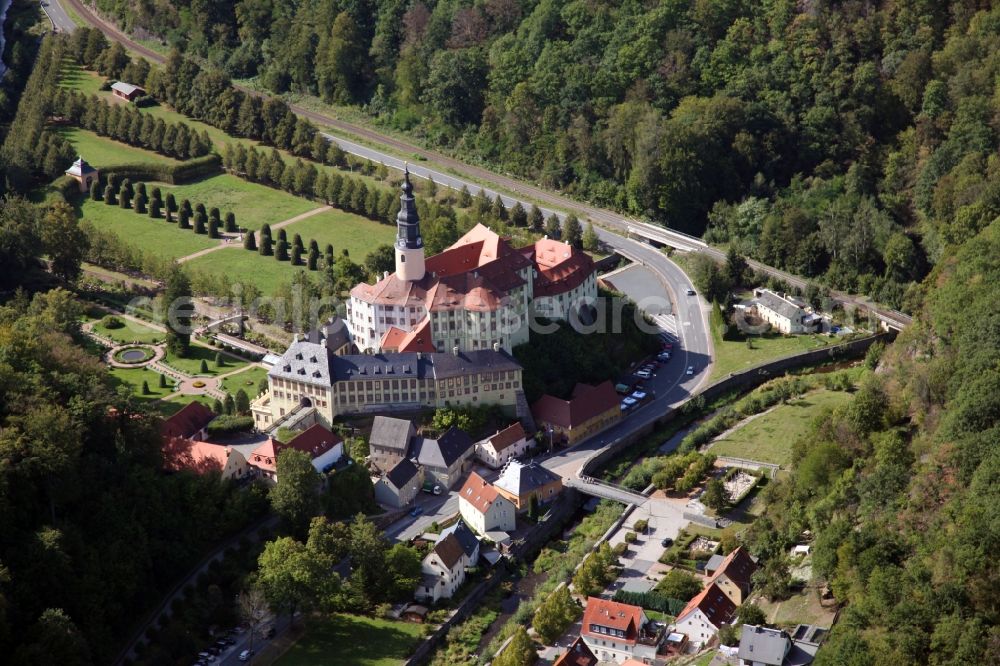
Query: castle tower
{"points": [[409, 242]]}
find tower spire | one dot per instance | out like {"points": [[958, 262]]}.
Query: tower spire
{"points": [[409, 242]]}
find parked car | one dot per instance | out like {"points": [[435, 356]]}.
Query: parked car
{"points": [[644, 373], [639, 396], [416, 511], [663, 357], [690, 292], [667, 542], [246, 654], [690, 370], [622, 388], [668, 345], [436, 490]]}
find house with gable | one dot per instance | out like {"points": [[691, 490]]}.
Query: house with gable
{"points": [[763, 646], [507, 444], [204, 457], [704, 615], [589, 410], [733, 575], [400, 485], [389, 441], [189, 422], [577, 654], [443, 570], [444, 460], [324, 448], [484, 509], [616, 632], [467, 538]]}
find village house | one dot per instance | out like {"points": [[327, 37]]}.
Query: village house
{"points": [[204, 457], [733, 574], [443, 570], [389, 442], [577, 654], [762, 646], [519, 482], [189, 422], [704, 615], [497, 450], [126, 91], [446, 459], [589, 410], [617, 632], [323, 447], [399, 486], [483, 508], [467, 538], [783, 313]]}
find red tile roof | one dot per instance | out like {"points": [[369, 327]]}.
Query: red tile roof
{"points": [[586, 403], [714, 603], [201, 457], [479, 493], [739, 567], [561, 268], [419, 339], [313, 441], [265, 456], [507, 437], [577, 654], [613, 615], [188, 421]]}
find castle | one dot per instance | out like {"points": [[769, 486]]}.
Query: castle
{"points": [[477, 294]]}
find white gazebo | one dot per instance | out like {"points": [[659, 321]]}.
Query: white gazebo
{"points": [[82, 173]]}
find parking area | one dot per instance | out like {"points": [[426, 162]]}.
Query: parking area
{"points": [[641, 569]]}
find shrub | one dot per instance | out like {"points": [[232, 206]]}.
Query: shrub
{"points": [[630, 537], [227, 424], [203, 367], [640, 525], [112, 322]]}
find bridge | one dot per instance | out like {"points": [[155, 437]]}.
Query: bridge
{"points": [[588, 485], [888, 318]]}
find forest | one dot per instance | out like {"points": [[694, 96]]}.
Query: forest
{"points": [[846, 141]]}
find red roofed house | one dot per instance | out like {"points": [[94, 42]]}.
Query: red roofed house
{"points": [[507, 444], [589, 410], [483, 508], [325, 448], [189, 422], [705, 614], [474, 295], [615, 632], [577, 654], [204, 457], [734, 575]]}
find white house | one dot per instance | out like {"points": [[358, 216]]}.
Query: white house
{"points": [[783, 313], [443, 570], [704, 615], [616, 632], [483, 508], [504, 446]]}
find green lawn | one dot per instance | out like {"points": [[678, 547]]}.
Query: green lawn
{"points": [[191, 365], [252, 204], [348, 640], [134, 377], [242, 266], [769, 438], [76, 78], [733, 355], [131, 332], [344, 230], [103, 152], [159, 237], [247, 380]]}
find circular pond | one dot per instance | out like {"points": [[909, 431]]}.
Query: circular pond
{"points": [[133, 355]]}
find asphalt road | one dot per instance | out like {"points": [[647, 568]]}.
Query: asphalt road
{"points": [[60, 19]]}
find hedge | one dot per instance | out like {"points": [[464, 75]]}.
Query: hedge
{"points": [[229, 425], [173, 174], [651, 600]]}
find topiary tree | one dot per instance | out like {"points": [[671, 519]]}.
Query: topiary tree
{"points": [[203, 368], [124, 198], [162, 381], [141, 189], [171, 203], [154, 209], [250, 242], [328, 254], [183, 220], [229, 405], [95, 191], [186, 205], [231, 222], [127, 186], [200, 208], [199, 223], [213, 228], [217, 406], [265, 247], [282, 236], [281, 253], [156, 193], [296, 255], [215, 214], [140, 203], [297, 241], [312, 263], [242, 402], [145, 387], [109, 195], [219, 360]]}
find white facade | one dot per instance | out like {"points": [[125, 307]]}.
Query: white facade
{"points": [[331, 457], [618, 651], [560, 306], [696, 625], [440, 582], [486, 452], [500, 515]]}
